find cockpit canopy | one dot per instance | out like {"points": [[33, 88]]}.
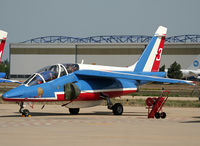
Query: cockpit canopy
{"points": [[49, 73]]}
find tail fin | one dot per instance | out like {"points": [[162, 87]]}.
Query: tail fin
{"points": [[195, 64], [3, 36], [149, 61]]}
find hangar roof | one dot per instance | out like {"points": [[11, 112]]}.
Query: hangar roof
{"points": [[191, 38]]}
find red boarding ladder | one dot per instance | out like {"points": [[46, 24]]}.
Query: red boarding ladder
{"points": [[154, 105]]}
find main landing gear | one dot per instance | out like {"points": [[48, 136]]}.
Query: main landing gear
{"points": [[117, 108], [24, 112]]}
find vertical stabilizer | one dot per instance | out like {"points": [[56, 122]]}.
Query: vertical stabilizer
{"points": [[3, 36], [149, 61]]}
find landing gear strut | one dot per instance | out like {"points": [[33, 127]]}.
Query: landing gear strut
{"points": [[21, 104], [117, 108], [24, 112]]}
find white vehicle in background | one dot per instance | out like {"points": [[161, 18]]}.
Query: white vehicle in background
{"points": [[193, 71]]}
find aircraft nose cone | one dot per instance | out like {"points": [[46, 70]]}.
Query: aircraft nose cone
{"points": [[14, 93], [9, 95], [5, 96]]}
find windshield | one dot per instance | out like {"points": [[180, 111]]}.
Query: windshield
{"points": [[54, 69], [25, 82], [39, 78], [34, 80], [49, 73], [71, 67]]}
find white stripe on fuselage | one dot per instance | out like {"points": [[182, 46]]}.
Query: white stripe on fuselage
{"points": [[103, 90], [108, 90], [103, 68]]}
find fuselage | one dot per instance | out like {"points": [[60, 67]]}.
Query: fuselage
{"points": [[90, 87], [62, 82]]}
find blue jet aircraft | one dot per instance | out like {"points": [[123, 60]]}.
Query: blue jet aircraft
{"points": [[83, 85]]}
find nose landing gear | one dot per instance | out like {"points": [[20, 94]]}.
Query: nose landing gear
{"points": [[24, 112], [21, 104]]}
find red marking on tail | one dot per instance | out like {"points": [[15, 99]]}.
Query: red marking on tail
{"points": [[156, 63], [2, 44]]}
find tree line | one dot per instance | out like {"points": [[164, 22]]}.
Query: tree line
{"points": [[5, 67], [174, 71]]}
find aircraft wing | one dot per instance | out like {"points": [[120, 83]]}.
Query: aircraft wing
{"points": [[9, 81], [131, 76]]}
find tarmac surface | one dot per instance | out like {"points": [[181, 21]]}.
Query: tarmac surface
{"points": [[97, 126]]}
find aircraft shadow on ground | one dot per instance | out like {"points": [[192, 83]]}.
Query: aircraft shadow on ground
{"points": [[198, 121], [193, 121], [41, 114], [196, 117]]}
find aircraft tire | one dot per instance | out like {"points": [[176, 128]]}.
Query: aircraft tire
{"points": [[74, 111], [26, 112], [117, 109]]}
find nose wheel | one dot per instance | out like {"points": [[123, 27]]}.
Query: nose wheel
{"points": [[24, 112]]}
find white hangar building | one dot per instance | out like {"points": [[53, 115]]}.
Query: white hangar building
{"points": [[29, 56]]}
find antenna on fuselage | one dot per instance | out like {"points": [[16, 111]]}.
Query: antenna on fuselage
{"points": [[82, 61]]}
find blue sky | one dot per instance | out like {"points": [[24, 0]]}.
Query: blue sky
{"points": [[26, 19]]}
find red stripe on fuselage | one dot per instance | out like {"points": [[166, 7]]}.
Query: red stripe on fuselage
{"points": [[82, 97], [157, 59], [96, 96]]}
